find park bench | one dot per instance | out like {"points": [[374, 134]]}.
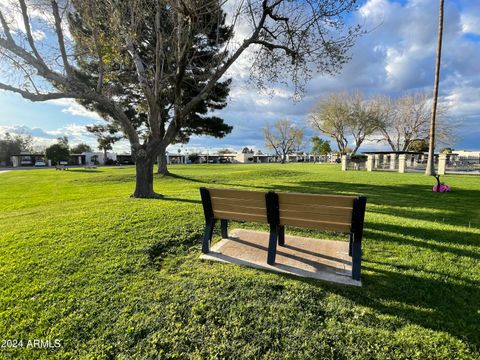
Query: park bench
{"points": [[344, 214], [90, 166], [61, 167]]}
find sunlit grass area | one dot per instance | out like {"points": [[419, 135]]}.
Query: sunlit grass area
{"points": [[116, 277]]}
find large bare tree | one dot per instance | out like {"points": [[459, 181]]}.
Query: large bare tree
{"points": [[343, 116], [364, 118], [283, 137], [407, 118], [330, 116], [282, 37]]}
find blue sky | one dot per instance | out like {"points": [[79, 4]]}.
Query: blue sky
{"points": [[396, 56]]}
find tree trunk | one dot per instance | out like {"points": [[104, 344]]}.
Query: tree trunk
{"points": [[144, 176], [357, 146], [431, 145], [162, 163]]}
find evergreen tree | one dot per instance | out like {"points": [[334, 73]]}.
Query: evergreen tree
{"points": [[125, 82], [320, 146], [58, 152], [107, 135], [13, 145], [80, 148]]}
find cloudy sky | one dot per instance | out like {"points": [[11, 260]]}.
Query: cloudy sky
{"points": [[395, 56]]}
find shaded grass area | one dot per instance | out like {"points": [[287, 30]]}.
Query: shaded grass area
{"points": [[114, 277]]}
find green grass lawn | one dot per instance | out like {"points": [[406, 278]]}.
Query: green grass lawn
{"points": [[115, 277]]}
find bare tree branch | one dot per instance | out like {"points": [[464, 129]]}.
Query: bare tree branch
{"points": [[37, 96], [28, 30], [6, 28], [60, 38]]}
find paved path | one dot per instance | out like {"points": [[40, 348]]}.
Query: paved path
{"points": [[4, 171]]}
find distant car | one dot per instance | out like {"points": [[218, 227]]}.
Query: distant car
{"points": [[40, 163], [63, 163]]}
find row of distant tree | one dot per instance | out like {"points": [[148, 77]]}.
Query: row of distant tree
{"points": [[11, 144], [351, 119]]}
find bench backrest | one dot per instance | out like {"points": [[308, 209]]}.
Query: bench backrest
{"points": [[240, 205], [321, 212]]}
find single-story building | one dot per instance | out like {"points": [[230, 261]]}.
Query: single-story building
{"points": [[252, 158], [177, 159], [28, 159]]}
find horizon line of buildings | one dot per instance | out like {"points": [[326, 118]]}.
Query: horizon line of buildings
{"points": [[98, 158]]}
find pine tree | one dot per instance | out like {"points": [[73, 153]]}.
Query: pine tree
{"points": [[124, 83]]}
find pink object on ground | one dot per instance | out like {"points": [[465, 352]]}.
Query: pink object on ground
{"points": [[440, 187], [443, 188]]}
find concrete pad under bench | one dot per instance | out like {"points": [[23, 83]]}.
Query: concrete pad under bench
{"points": [[306, 257]]}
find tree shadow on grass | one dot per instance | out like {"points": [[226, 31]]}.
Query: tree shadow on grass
{"points": [[179, 177], [449, 306], [440, 305], [84, 171], [441, 241], [192, 201]]}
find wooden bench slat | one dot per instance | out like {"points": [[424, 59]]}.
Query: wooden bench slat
{"points": [[327, 217], [237, 194], [226, 215], [319, 225], [315, 199], [240, 209], [217, 201], [318, 209]]}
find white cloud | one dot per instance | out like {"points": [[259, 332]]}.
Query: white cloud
{"points": [[38, 35], [471, 23], [70, 106]]}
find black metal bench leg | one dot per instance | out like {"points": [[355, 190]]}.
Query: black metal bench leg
{"points": [[281, 235], [207, 236], [272, 244], [224, 227], [350, 244], [356, 259]]}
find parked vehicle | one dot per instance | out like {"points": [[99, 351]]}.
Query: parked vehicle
{"points": [[63, 163], [40, 163]]}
